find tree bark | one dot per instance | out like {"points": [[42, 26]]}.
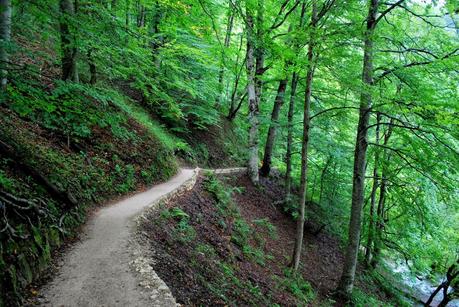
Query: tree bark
{"points": [[253, 103], [305, 143], [5, 37], [291, 109], [229, 29], [141, 15], [380, 219], [127, 12], [92, 67], [157, 40], [288, 155], [68, 41], [259, 50], [346, 283], [374, 188], [451, 274], [270, 139], [232, 108], [322, 178]]}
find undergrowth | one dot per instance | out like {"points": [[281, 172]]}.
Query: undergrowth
{"points": [[62, 150]]}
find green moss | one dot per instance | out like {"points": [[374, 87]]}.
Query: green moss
{"points": [[24, 270], [54, 238]]}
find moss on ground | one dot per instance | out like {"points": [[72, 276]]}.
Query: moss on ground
{"points": [[111, 150]]}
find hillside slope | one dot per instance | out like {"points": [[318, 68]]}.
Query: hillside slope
{"points": [[48, 179], [228, 242]]}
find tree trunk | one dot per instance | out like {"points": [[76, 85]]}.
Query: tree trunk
{"points": [[157, 40], [374, 188], [379, 221], [346, 283], [322, 178], [288, 155], [229, 29], [232, 109], [304, 148], [253, 104], [68, 41], [127, 12], [5, 37], [451, 274], [141, 15], [259, 51], [92, 67], [270, 139], [291, 108]]}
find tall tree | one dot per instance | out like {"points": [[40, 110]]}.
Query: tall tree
{"points": [[305, 141], [346, 283], [451, 280], [252, 98], [271, 137], [5, 36], [291, 109], [68, 40], [379, 219], [374, 188], [226, 44]]}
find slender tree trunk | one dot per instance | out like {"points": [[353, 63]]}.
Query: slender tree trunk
{"points": [[253, 103], [127, 12], [141, 15], [157, 40], [346, 283], [288, 155], [451, 275], [259, 50], [229, 29], [304, 148], [291, 109], [380, 220], [270, 139], [92, 67], [322, 178], [5, 37], [232, 109], [68, 41], [374, 188]]}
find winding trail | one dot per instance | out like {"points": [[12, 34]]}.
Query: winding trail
{"points": [[96, 271], [100, 269]]}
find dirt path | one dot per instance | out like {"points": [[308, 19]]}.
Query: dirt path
{"points": [[96, 271]]}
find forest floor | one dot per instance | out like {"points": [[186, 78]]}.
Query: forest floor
{"points": [[203, 250], [96, 270], [212, 257]]}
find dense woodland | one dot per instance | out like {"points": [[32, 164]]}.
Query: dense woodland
{"points": [[352, 105]]}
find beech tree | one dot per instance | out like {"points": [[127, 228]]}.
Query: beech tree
{"points": [[347, 278], [68, 40]]}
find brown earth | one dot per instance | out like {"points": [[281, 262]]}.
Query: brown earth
{"points": [[189, 274]]}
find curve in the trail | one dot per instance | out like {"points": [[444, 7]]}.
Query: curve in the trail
{"points": [[96, 272]]}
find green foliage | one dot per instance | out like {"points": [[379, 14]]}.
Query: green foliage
{"points": [[5, 182], [300, 288], [166, 67], [361, 299], [183, 231], [265, 223]]}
